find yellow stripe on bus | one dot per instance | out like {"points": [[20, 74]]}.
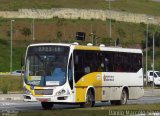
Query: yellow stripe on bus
{"points": [[92, 79], [86, 48], [28, 87]]}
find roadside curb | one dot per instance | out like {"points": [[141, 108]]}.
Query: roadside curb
{"points": [[152, 93], [11, 97]]}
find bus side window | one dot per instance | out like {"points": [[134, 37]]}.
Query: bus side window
{"points": [[78, 65], [87, 69]]}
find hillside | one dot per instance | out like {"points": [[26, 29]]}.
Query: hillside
{"points": [[61, 30], [136, 6]]}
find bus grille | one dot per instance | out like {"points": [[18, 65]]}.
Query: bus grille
{"points": [[43, 91]]}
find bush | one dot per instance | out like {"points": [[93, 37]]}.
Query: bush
{"points": [[26, 31], [4, 89], [3, 42], [10, 84], [142, 24], [143, 44]]}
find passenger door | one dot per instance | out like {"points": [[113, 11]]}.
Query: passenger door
{"points": [[70, 73]]}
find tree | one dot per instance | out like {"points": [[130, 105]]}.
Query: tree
{"points": [[143, 44], [121, 33], [26, 31], [150, 39], [60, 22], [107, 41], [59, 35], [8, 33], [157, 39]]}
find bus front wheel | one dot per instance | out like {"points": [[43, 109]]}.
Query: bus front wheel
{"points": [[90, 100], [47, 105]]}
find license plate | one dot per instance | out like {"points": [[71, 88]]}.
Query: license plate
{"points": [[43, 99]]}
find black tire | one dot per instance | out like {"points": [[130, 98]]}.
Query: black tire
{"points": [[124, 98], [47, 105], [150, 84], [90, 100], [122, 101]]}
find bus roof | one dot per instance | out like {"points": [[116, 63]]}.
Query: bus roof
{"points": [[115, 49], [119, 49], [43, 44], [83, 47]]}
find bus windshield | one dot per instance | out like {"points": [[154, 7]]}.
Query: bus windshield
{"points": [[46, 65]]}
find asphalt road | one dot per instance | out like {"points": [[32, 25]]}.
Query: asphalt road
{"points": [[36, 106]]}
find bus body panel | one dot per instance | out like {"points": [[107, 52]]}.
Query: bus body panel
{"points": [[114, 82], [136, 92], [93, 80], [122, 79]]}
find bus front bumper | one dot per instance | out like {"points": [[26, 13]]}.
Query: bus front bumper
{"points": [[31, 98]]}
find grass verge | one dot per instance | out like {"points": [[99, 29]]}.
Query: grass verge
{"points": [[99, 111], [10, 84]]}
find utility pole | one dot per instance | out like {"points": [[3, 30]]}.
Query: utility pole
{"points": [[11, 46], [153, 59], [147, 48], [110, 22], [33, 30]]}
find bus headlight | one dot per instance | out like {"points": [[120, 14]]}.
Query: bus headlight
{"points": [[62, 92], [26, 91]]}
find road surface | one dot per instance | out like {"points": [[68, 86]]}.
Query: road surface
{"points": [[34, 106]]}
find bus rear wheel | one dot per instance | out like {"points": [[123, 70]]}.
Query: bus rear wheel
{"points": [[123, 100], [90, 100], [47, 105]]}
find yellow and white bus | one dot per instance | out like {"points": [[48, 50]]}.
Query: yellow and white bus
{"points": [[72, 73]]}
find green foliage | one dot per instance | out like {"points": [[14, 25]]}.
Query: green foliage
{"points": [[143, 44], [10, 83], [59, 35], [79, 18], [4, 42], [104, 41], [92, 19], [129, 34], [150, 39], [60, 21], [8, 33], [26, 31], [97, 111], [142, 24], [121, 33], [5, 55], [107, 41], [4, 88], [113, 20]]}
